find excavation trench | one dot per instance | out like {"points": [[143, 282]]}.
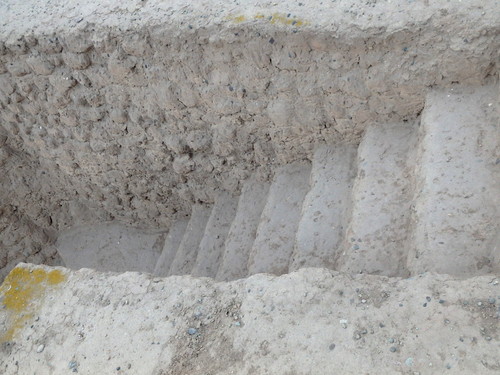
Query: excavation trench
{"points": [[261, 141]]}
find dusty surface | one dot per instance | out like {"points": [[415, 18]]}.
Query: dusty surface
{"points": [[308, 322], [23, 241], [143, 112], [135, 111]]}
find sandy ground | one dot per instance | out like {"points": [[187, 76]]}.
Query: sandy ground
{"points": [[313, 321]]}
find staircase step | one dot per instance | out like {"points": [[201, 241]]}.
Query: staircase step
{"points": [[274, 243], [110, 247], [243, 230], [212, 244], [188, 249], [326, 207], [172, 242], [457, 200], [377, 238]]}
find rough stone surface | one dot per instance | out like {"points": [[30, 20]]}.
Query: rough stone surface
{"points": [[377, 239], [310, 321], [243, 230], [172, 242], [275, 237], [137, 110], [326, 207], [458, 183], [22, 240], [137, 114]]}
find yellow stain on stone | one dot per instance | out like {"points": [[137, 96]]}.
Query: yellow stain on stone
{"points": [[239, 19], [275, 18], [21, 292]]}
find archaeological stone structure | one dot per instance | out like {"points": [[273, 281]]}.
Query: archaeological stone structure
{"points": [[249, 187]]}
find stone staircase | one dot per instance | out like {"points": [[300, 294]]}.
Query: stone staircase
{"points": [[412, 197]]}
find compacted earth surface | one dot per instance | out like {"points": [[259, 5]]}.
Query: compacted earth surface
{"points": [[255, 187]]}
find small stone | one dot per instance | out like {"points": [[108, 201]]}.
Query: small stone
{"points": [[192, 331], [441, 301], [237, 324], [425, 304], [428, 299], [409, 362], [118, 368], [331, 347], [73, 365], [393, 349], [40, 348], [492, 300], [480, 304], [488, 338], [363, 301], [381, 325], [356, 247], [391, 340], [448, 366]]}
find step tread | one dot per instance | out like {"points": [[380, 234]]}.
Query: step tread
{"points": [[211, 246], [376, 240], [110, 247], [278, 225], [243, 230], [172, 242], [458, 183], [325, 208], [185, 257]]}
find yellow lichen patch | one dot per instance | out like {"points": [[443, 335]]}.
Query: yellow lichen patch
{"points": [[237, 19], [55, 277], [21, 292], [286, 20], [275, 18]]}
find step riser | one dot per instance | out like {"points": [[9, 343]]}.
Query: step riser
{"points": [[212, 244], [185, 257], [273, 246], [325, 209], [457, 200], [172, 242], [243, 230], [377, 238]]}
